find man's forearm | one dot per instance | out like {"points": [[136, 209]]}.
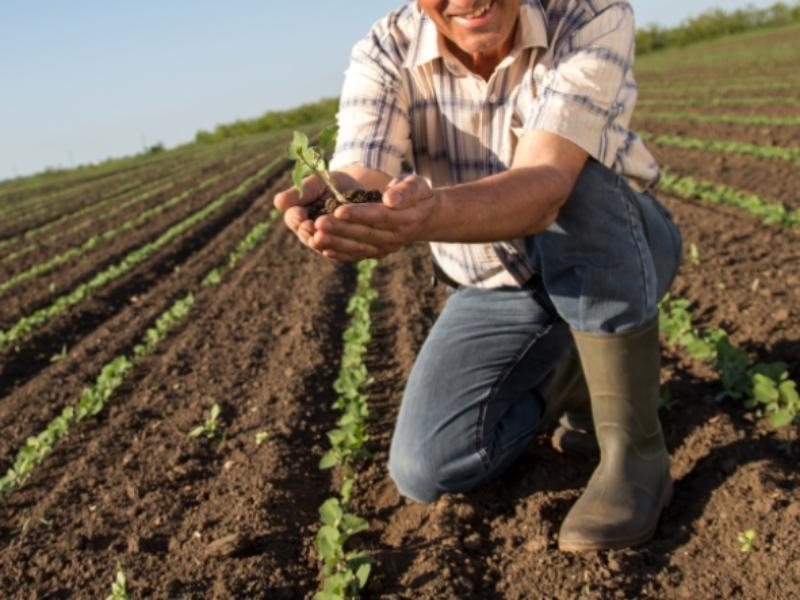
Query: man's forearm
{"points": [[515, 203]]}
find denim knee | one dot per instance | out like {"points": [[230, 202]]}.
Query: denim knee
{"points": [[423, 469], [610, 255], [414, 478]]}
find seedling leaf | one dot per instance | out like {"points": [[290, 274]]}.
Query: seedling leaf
{"points": [[331, 512]]}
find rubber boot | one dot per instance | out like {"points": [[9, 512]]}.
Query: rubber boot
{"points": [[566, 399], [629, 488]]}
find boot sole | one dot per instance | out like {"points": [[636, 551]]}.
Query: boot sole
{"points": [[593, 545]]}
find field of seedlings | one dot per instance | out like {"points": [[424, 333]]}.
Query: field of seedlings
{"points": [[192, 405]]}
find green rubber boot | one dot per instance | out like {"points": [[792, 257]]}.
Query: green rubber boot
{"points": [[629, 488]]}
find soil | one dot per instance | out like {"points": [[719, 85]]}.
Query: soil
{"points": [[730, 132], [70, 230], [328, 205], [40, 291], [768, 178], [773, 111], [191, 518]]}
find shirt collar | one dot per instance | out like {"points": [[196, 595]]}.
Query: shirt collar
{"points": [[531, 33]]}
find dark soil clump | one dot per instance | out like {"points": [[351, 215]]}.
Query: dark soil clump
{"points": [[327, 205]]}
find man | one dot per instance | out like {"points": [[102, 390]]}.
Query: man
{"points": [[514, 115]]}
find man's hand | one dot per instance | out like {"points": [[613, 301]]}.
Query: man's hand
{"points": [[357, 231], [293, 204]]}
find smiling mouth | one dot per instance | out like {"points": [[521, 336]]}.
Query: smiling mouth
{"points": [[479, 12]]}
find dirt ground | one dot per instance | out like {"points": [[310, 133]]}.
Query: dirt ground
{"points": [[194, 519]]}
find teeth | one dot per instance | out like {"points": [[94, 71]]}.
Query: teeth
{"points": [[479, 12]]}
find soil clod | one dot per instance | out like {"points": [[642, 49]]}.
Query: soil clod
{"points": [[327, 205]]}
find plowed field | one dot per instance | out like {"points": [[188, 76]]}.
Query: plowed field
{"points": [[231, 518]]}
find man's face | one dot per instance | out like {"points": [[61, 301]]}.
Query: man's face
{"points": [[476, 27]]}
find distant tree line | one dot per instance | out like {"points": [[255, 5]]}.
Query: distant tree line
{"points": [[274, 120], [715, 23]]}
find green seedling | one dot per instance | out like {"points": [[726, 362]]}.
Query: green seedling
{"points": [[59, 355], [209, 427], [214, 277], [762, 387], [694, 254], [345, 572], [314, 160], [771, 213], [261, 437], [747, 540], [119, 589]]}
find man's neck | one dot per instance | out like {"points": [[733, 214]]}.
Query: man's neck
{"points": [[483, 64]]}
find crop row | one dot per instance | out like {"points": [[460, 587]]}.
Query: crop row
{"points": [[72, 199], [765, 388], [118, 207], [37, 189], [772, 152], [34, 321], [97, 239], [691, 88], [771, 213], [149, 171], [144, 195], [66, 186], [344, 571], [735, 119], [45, 203], [47, 187], [132, 193], [717, 101], [32, 232], [112, 375]]}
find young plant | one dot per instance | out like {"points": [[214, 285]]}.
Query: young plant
{"points": [[314, 159], [261, 437], [209, 428], [765, 388], [694, 254], [119, 589], [59, 355], [346, 573], [747, 540]]}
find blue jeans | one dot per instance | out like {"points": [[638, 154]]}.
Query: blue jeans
{"points": [[471, 403]]}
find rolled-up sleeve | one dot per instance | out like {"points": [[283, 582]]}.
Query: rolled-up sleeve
{"points": [[579, 98], [373, 107]]}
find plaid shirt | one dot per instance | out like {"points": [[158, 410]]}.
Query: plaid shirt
{"points": [[405, 96]]}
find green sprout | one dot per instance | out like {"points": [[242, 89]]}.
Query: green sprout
{"points": [[694, 254], [747, 540], [345, 572], [119, 589], [261, 437], [59, 355], [314, 159], [209, 428]]}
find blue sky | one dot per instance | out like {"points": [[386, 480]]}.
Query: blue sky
{"points": [[82, 81]]}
